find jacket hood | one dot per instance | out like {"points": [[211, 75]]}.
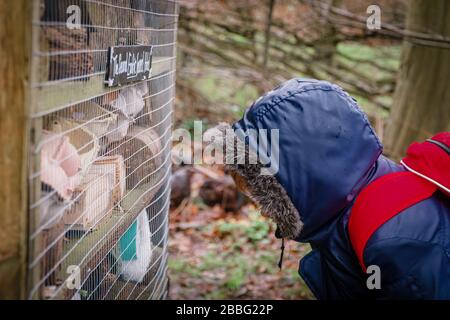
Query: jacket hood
{"points": [[326, 150]]}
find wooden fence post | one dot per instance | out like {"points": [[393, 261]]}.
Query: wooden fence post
{"points": [[15, 53]]}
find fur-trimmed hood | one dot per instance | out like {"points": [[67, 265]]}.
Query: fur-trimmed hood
{"points": [[327, 149]]}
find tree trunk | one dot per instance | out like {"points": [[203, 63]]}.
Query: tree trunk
{"points": [[421, 105], [267, 32]]}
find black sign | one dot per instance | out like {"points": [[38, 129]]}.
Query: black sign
{"points": [[128, 64]]}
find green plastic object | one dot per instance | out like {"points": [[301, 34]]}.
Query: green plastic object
{"points": [[128, 243]]}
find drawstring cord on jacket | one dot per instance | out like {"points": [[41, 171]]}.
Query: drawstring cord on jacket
{"points": [[279, 235], [280, 262]]}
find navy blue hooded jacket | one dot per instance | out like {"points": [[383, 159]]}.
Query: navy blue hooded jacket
{"points": [[328, 153]]}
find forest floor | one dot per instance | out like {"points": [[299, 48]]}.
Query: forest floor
{"points": [[218, 255]]}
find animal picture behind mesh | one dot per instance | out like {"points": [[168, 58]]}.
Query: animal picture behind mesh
{"points": [[99, 156]]}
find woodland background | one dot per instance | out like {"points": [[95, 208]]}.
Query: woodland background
{"points": [[232, 51]]}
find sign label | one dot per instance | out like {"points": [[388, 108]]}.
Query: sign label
{"points": [[128, 64]]}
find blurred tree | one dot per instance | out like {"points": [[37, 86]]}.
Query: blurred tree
{"points": [[422, 99], [326, 45]]}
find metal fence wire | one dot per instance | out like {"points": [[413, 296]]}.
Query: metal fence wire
{"points": [[99, 156]]}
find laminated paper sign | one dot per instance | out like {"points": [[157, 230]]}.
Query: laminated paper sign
{"points": [[128, 64]]}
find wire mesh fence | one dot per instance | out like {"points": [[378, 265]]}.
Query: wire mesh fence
{"points": [[99, 156]]}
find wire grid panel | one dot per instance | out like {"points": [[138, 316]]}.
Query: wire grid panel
{"points": [[99, 158]]}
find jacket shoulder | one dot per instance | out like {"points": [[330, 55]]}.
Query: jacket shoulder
{"points": [[412, 252], [428, 221]]}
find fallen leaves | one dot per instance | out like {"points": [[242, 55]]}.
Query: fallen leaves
{"points": [[216, 254]]}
